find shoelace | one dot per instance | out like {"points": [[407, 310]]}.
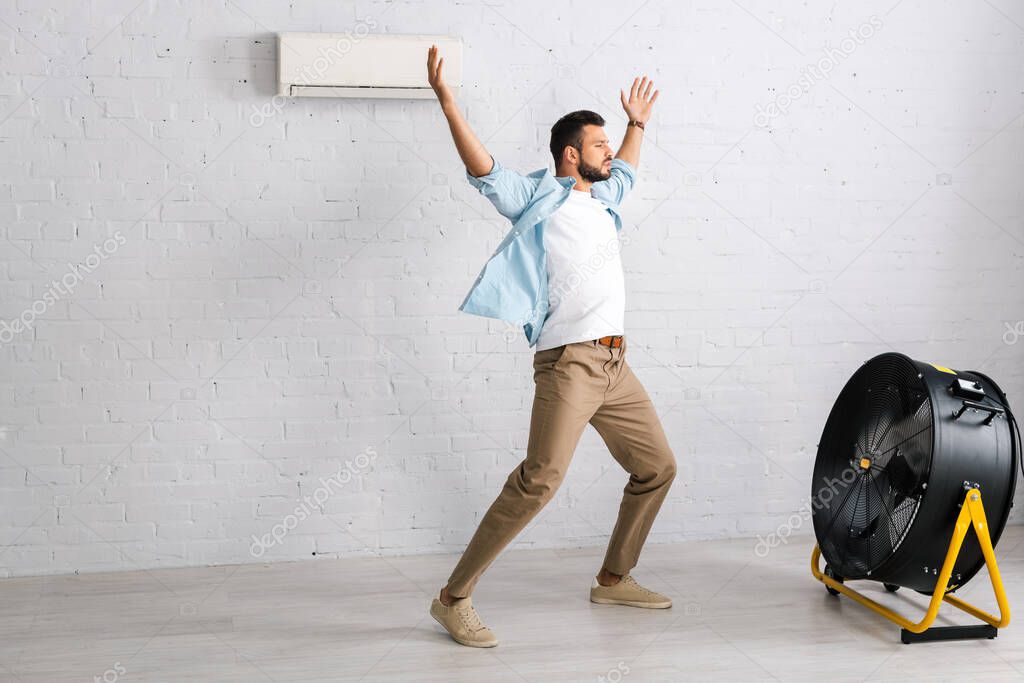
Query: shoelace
{"points": [[470, 618], [632, 582]]}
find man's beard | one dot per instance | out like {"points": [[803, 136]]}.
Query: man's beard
{"points": [[593, 174]]}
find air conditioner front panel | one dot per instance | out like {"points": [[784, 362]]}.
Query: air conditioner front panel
{"points": [[351, 65]]}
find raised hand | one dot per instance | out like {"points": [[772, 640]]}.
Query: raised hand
{"points": [[436, 79], [641, 101]]}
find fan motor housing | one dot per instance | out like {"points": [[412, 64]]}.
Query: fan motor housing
{"points": [[903, 443]]}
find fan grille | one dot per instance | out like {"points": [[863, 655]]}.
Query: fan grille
{"points": [[872, 465]]}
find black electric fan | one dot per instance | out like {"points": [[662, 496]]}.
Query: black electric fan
{"points": [[903, 443]]}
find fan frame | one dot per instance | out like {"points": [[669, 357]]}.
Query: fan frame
{"points": [[958, 454]]}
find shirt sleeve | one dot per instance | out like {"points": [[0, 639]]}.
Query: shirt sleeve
{"points": [[615, 189], [510, 192]]}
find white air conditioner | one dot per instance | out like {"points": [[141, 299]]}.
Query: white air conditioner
{"points": [[347, 65]]}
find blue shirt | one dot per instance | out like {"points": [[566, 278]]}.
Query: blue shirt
{"points": [[513, 285]]}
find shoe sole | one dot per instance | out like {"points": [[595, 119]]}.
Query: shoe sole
{"points": [[631, 603], [461, 641]]}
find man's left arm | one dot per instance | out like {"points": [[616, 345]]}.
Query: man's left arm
{"points": [[638, 108], [623, 173], [629, 150]]}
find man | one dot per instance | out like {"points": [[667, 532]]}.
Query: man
{"points": [[543, 277]]}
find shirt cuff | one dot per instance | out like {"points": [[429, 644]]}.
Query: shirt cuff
{"points": [[480, 181], [625, 166]]}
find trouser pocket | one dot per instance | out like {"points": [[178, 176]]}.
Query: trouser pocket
{"points": [[549, 357]]}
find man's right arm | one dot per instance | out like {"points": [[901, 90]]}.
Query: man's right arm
{"points": [[508, 191], [476, 158]]}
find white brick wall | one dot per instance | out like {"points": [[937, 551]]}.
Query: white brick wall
{"points": [[285, 298]]}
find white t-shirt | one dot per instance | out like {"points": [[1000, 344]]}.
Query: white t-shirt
{"points": [[586, 288]]}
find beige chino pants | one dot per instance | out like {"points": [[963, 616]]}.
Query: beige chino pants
{"points": [[576, 384]]}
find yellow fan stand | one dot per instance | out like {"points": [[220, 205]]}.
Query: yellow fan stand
{"points": [[972, 515]]}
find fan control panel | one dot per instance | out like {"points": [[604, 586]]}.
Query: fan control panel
{"points": [[966, 388]]}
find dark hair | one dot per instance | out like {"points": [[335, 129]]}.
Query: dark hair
{"points": [[568, 131]]}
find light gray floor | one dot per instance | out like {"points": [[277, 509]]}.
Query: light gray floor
{"points": [[736, 616]]}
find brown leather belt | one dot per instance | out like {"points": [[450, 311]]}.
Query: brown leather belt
{"points": [[614, 341]]}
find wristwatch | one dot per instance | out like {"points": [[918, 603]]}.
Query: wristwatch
{"points": [[638, 124]]}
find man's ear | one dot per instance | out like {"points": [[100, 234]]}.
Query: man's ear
{"points": [[569, 155]]}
